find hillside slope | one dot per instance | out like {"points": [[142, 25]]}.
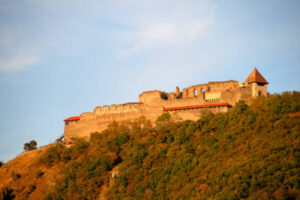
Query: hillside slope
{"points": [[26, 177], [251, 152]]}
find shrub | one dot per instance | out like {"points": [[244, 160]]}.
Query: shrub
{"points": [[52, 155], [15, 175], [39, 173], [31, 188], [7, 193], [30, 145], [1, 163], [79, 145], [163, 123]]}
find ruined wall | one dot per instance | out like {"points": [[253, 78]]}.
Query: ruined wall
{"points": [[258, 90], [98, 120], [213, 92], [121, 108], [84, 127], [195, 114], [153, 97], [234, 95], [152, 103], [212, 87]]}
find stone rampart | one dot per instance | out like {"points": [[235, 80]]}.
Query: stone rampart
{"points": [[98, 120], [194, 114], [113, 109], [210, 87], [153, 103]]}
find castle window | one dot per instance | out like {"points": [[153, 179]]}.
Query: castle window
{"points": [[202, 89], [187, 93], [259, 93], [195, 92]]}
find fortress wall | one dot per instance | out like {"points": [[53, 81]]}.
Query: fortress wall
{"points": [[195, 114], [246, 93], [234, 95], [230, 96], [212, 96], [86, 115], [87, 125], [152, 97], [98, 120], [151, 104], [112, 109], [211, 87], [121, 108], [194, 95], [259, 90], [184, 102], [222, 86]]}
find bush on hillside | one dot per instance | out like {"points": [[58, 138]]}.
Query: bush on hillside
{"points": [[1, 163], [39, 173], [30, 145], [7, 193], [52, 155]]}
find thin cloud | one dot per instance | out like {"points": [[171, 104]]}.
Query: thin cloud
{"points": [[159, 35], [17, 63], [181, 27]]}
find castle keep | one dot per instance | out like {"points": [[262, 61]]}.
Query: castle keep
{"points": [[188, 104]]}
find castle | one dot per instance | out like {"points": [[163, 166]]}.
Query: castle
{"points": [[188, 104]]}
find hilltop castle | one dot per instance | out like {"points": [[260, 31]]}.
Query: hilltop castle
{"points": [[188, 104]]}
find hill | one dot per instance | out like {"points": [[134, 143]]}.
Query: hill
{"points": [[251, 152]]}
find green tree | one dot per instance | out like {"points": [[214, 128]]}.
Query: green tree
{"points": [[30, 145]]}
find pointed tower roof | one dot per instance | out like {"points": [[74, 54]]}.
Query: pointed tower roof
{"points": [[256, 77]]}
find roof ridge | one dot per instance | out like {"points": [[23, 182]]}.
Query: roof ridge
{"points": [[256, 77]]}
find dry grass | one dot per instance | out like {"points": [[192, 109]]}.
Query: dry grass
{"points": [[27, 176]]}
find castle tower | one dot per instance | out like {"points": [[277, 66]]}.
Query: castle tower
{"points": [[258, 83]]}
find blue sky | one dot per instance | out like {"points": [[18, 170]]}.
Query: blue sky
{"points": [[62, 58]]}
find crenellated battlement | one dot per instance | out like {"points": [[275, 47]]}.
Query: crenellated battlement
{"points": [[215, 96], [118, 108], [113, 109]]}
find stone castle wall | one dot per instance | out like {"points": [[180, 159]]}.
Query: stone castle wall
{"points": [[98, 120], [153, 103], [210, 87]]}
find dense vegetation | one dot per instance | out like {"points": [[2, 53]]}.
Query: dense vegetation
{"points": [[251, 152]]}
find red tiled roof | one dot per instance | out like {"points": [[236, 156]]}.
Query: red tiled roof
{"points": [[198, 106], [296, 114], [72, 118], [256, 77]]}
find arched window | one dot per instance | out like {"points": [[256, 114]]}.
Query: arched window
{"points": [[195, 92]]}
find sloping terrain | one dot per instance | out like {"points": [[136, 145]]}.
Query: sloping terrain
{"points": [[251, 152], [27, 177]]}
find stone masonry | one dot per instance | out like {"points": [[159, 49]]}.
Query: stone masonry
{"points": [[188, 104]]}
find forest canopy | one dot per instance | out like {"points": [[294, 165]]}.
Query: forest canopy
{"points": [[251, 152]]}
